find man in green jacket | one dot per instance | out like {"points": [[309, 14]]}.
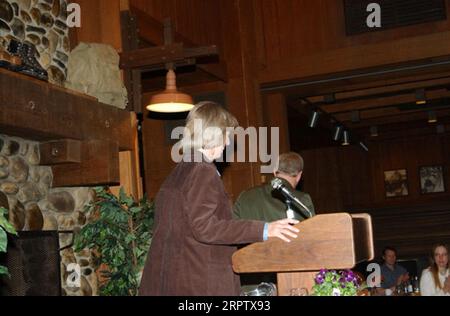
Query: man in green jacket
{"points": [[265, 203]]}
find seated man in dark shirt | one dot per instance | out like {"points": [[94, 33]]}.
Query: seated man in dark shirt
{"points": [[392, 274]]}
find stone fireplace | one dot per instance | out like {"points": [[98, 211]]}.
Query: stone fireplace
{"points": [[44, 198], [26, 190], [41, 23]]}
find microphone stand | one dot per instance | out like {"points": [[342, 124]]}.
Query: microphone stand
{"points": [[289, 211]]}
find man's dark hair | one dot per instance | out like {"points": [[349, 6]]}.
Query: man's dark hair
{"points": [[389, 248]]}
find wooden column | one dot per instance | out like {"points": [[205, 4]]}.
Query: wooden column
{"points": [[275, 115], [243, 93]]}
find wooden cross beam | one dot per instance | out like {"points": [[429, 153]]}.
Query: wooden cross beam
{"points": [[134, 60], [155, 32], [147, 58]]}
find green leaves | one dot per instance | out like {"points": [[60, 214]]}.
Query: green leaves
{"points": [[120, 235], [4, 223], [4, 271], [3, 240], [5, 227]]}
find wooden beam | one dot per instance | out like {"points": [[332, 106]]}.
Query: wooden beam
{"points": [[152, 30], [322, 85], [360, 57], [132, 77], [405, 130], [99, 166], [387, 89], [60, 152], [153, 56], [382, 113], [380, 102], [40, 111], [396, 118]]}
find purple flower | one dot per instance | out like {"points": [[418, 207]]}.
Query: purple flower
{"points": [[319, 279]]}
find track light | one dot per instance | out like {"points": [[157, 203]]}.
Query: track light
{"points": [[337, 133], [355, 116], [364, 146], [432, 118], [374, 131], [346, 141], [314, 119], [421, 97], [329, 98]]}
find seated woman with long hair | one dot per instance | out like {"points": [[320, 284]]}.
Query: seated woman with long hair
{"points": [[435, 280]]}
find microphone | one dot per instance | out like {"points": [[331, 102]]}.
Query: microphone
{"points": [[277, 184]]}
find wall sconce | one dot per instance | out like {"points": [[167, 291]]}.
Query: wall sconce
{"points": [[421, 97], [314, 119], [346, 137], [170, 100], [337, 133]]}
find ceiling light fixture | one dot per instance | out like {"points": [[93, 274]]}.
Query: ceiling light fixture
{"points": [[440, 129], [374, 131], [421, 97], [171, 100], [363, 146], [337, 133], [346, 137], [329, 98], [314, 119], [356, 117], [432, 118]]}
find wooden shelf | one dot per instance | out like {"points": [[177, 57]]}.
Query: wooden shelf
{"points": [[39, 111]]}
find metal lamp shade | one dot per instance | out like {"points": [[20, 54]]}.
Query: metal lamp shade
{"points": [[171, 100]]}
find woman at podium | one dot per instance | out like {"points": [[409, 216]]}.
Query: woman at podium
{"points": [[194, 234]]}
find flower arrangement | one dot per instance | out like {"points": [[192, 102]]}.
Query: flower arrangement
{"points": [[336, 283]]}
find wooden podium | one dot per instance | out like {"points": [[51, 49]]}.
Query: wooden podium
{"points": [[332, 241]]}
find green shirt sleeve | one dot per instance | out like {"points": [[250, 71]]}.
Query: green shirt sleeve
{"points": [[237, 208]]}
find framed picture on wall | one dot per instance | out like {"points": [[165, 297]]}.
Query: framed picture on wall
{"points": [[396, 183], [432, 179]]}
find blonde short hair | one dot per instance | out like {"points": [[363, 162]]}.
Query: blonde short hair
{"points": [[290, 164], [206, 126]]}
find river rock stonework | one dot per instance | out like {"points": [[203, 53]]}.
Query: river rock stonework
{"points": [[41, 23], [26, 191]]}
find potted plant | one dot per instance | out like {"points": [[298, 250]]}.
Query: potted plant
{"points": [[119, 233], [5, 228], [337, 283]]}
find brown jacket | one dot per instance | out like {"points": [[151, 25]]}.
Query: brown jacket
{"points": [[194, 236]]}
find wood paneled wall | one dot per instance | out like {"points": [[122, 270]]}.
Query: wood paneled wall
{"points": [[350, 179], [202, 22], [302, 38], [100, 23], [198, 20], [295, 28]]}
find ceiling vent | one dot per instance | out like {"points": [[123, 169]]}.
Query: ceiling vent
{"points": [[394, 13]]}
